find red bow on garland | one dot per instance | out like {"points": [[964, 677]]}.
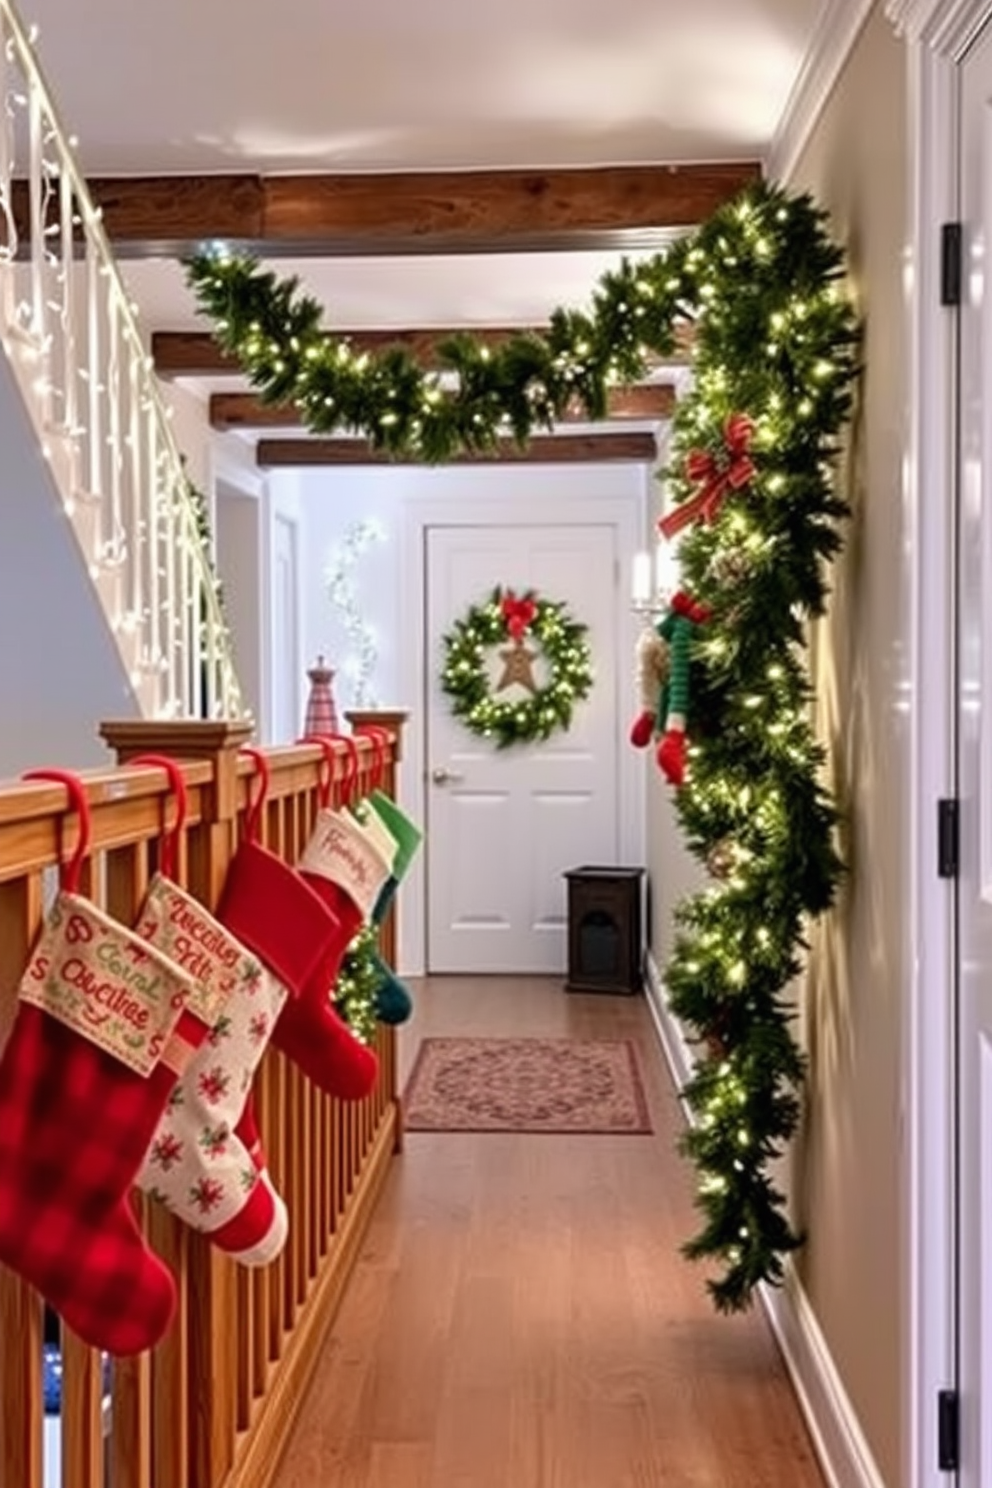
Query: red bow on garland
{"points": [[517, 614], [719, 477]]}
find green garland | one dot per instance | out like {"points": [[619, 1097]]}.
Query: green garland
{"points": [[465, 678], [357, 987], [776, 340]]}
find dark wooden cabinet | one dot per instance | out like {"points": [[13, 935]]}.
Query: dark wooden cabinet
{"points": [[605, 936]]}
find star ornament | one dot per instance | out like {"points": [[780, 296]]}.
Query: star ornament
{"points": [[518, 667]]}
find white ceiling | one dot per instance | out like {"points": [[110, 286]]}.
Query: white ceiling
{"points": [[326, 85], [305, 85]]}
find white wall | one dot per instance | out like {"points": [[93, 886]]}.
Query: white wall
{"points": [[389, 585], [238, 540], [60, 671], [333, 502]]}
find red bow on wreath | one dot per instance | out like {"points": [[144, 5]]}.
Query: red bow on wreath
{"points": [[718, 477], [518, 614]]}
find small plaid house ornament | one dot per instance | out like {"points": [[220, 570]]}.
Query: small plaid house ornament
{"points": [[322, 715]]}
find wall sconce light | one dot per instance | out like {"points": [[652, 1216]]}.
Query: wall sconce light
{"points": [[654, 579]]}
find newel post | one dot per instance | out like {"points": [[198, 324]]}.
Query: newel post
{"points": [[195, 1367]]}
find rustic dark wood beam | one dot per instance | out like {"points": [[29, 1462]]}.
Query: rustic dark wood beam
{"points": [[550, 449], [244, 411], [197, 354], [416, 212]]}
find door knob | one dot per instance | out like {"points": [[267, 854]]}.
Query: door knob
{"points": [[441, 776]]}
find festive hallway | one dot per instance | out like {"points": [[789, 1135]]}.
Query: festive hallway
{"points": [[520, 1314]]}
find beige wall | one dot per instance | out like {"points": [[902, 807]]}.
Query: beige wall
{"points": [[848, 1169]]}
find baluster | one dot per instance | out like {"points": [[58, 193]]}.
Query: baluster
{"points": [[141, 531], [82, 1413], [261, 1275], [194, 609], [9, 243], [132, 592], [172, 620], [315, 1180], [36, 198], [131, 1430], [94, 374]]}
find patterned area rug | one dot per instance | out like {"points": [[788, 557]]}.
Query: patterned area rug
{"points": [[526, 1085]]}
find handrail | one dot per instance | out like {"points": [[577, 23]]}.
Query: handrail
{"points": [[212, 1405], [87, 378]]}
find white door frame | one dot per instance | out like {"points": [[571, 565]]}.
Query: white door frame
{"points": [[938, 33], [628, 512]]}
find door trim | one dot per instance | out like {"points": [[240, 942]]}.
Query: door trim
{"points": [[937, 34], [628, 512]]}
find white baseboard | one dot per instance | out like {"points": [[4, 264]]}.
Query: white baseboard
{"points": [[838, 1440]]}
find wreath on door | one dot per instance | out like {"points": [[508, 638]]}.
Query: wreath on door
{"points": [[515, 666]]}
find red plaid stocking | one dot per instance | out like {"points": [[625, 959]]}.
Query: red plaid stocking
{"points": [[103, 1029]]}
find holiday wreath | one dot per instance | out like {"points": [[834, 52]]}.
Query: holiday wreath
{"points": [[521, 633]]}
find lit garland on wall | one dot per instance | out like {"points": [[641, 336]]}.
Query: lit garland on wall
{"points": [[343, 593], [776, 340]]}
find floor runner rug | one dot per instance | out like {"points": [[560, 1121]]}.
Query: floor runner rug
{"points": [[526, 1085]]}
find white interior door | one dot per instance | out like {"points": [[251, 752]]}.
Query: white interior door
{"points": [[504, 825], [975, 784], [287, 720]]}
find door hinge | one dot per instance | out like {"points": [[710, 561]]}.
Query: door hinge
{"points": [[951, 263], [948, 834], [948, 1430]]}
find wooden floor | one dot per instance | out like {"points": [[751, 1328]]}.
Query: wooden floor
{"points": [[521, 1317]]}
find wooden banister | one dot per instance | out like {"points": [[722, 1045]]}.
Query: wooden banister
{"points": [[213, 1404]]}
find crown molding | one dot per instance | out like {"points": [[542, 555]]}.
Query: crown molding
{"points": [[836, 31], [945, 26]]}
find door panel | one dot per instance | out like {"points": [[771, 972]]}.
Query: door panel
{"points": [[505, 825]]}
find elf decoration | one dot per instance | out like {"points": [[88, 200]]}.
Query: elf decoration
{"points": [[540, 654], [774, 362], [663, 662]]}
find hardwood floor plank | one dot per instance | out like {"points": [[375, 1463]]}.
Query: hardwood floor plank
{"points": [[521, 1314]]}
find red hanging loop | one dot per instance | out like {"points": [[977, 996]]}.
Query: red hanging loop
{"points": [[380, 738], [177, 784], [325, 777], [349, 785], [69, 872], [255, 807]]}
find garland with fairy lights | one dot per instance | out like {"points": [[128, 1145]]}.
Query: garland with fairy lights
{"points": [[357, 985], [503, 629], [775, 341]]}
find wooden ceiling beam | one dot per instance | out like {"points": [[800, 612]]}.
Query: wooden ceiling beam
{"points": [[655, 400], [550, 449], [197, 354], [433, 212]]}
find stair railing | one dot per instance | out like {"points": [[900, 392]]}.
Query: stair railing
{"points": [[71, 333]]}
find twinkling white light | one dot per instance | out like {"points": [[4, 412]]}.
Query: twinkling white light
{"points": [[359, 665]]}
